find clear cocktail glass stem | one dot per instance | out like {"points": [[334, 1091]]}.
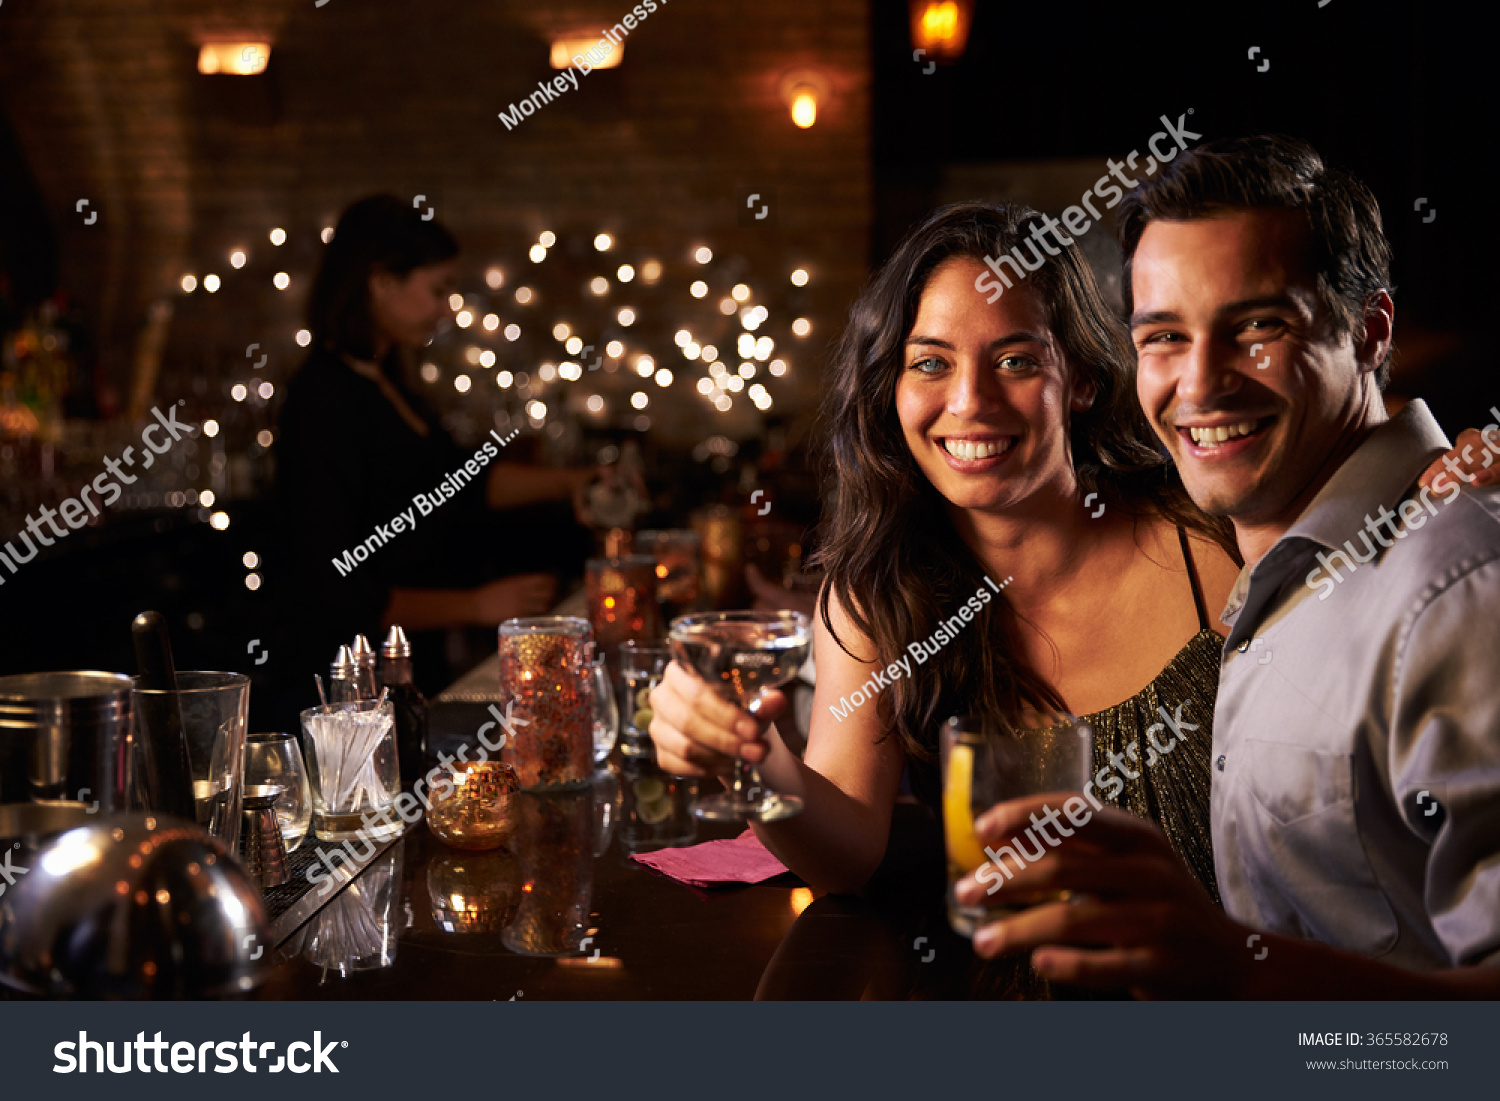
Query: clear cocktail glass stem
{"points": [[747, 797]]}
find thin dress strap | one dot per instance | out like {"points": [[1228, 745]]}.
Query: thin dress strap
{"points": [[1187, 560]]}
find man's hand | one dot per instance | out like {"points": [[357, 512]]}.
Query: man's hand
{"points": [[1137, 918]]}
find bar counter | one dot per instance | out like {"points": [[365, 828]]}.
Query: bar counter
{"points": [[422, 921], [432, 921]]}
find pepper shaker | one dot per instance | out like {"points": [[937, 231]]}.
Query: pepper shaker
{"points": [[410, 705]]}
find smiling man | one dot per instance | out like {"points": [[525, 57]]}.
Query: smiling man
{"points": [[1356, 791]]}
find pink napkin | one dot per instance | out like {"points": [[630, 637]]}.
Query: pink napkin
{"points": [[740, 860]]}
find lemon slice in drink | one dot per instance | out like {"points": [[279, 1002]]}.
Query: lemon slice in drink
{"points": [[648, 789], [958, 816], [654, 812]]}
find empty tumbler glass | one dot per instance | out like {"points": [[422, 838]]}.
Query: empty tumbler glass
{"points": [[275, 760]]}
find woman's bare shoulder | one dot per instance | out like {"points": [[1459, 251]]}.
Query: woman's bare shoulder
{"points": [[1216, 568], [850, 637]]}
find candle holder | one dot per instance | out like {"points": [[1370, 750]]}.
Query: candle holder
{"points": [[546, 677], [475, 810], [677, 553], [622, 602], [473, 892], [723, 543], [554, 835]]}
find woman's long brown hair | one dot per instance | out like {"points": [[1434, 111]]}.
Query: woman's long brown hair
{"points": [[892, 555]]}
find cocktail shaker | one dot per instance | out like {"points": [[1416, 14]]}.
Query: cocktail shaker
{"points": [[66, 737], [134, 906]]}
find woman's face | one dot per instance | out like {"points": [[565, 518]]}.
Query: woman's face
{"points": [[984, 395], [407, 310]]}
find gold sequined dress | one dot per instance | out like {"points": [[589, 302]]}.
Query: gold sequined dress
{"points": [[1170, 789]]}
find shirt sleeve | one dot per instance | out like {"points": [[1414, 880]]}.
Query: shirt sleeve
{"points": [[1445, 741]]}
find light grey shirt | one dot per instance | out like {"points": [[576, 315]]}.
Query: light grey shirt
{"points": [[1356, 783]]}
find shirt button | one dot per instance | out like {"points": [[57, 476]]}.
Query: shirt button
{"points": [[1219, 764]]}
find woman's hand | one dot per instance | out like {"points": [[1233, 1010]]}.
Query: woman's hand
{"points": [[697, 733], [525, 594], [1472, 461]]}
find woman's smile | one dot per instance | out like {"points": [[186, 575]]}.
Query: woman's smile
{"points": [[985, 398], [973, 454]]}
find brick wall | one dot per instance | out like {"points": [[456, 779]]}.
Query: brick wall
{"points": [[369, 95]]}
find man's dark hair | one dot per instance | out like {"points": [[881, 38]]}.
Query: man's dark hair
{"points": [[376, 232], [1347, 249]]}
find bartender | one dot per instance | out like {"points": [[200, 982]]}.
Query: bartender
{"points": [[383, 517]]}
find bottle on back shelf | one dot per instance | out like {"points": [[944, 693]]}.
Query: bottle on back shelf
{"points": [[410, 705]]}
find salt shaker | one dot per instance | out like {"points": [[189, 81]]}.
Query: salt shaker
{"points": [[365, 684], [341, 677]]}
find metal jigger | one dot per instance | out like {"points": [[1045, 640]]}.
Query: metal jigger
{"points": [[262, 850]]}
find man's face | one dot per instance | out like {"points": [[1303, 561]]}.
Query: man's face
{"points": [[1239, 370]]}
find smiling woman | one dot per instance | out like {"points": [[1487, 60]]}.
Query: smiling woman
{"points": [[964, 439], [992, 408]]}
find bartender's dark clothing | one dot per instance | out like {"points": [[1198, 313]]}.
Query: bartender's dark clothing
{"points": [[347, 464]]}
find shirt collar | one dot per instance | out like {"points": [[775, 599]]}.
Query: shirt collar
{"points": [[1380, 472]]}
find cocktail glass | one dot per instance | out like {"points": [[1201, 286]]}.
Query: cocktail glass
{"points": [[606, 712], [741, 655]]}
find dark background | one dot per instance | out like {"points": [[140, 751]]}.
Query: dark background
{"points": [[101, 99]]}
